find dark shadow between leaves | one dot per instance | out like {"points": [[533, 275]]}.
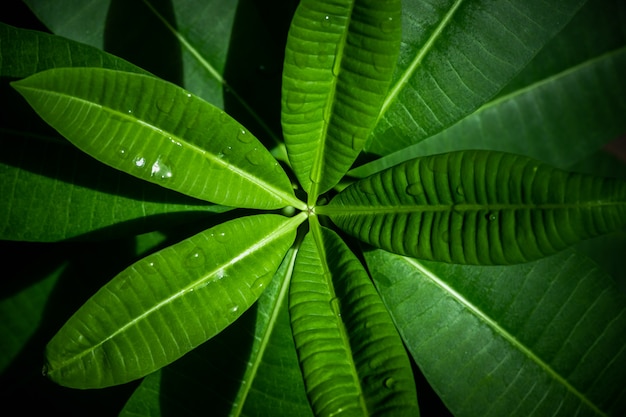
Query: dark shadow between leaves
{"points": [[206, 380], [137, 34], [254, 65]]}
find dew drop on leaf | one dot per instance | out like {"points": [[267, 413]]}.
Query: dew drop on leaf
{"points": [[244, 136], [195, 258], [295, 101], [335, 306], [139, 161], [491, 217], [326, 21], [122, 153], [234, 309], [460, 191], [255, 157], [389, 383], [161, 169], [387, 25], [221, 237], [146, 267], [165, 104], [415, 189]]}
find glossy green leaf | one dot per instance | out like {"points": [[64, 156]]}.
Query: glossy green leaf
{"points": [[158, 132], [456, 55], [256, 356], [339, 60], [168, 303], [538, 339], [478, 207], [351, 356], [84, 198]]}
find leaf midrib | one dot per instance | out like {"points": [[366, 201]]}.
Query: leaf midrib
{"points": [[285, 228], [419, 57], [487, 320], [399, 209]]}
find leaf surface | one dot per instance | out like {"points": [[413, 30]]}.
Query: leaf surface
{"points": [[456, 55], [170, 302], [543, 338], [351, 357], [158, 132], [478, 207], [339, 60]]}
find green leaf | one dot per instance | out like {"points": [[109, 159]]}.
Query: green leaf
{"points": [[339, 60], [455, 56], [538, 339], [158, 132], [351, 356], [256, 356], [478, 207], [83, 197], [24, 52], [168, 303]]}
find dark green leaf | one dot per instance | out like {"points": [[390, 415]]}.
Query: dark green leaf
{"points": [[539, 339], [168, 303], [455, 56], [158, 132], [338, 64], [351, 356], [478, 207]]}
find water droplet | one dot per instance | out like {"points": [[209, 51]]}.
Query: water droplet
{"points": [[255, 157], [295, 100], [381, 62], [221, 237], [122, 153], [234, 309], [161, 169], [195, 258], [389, 383], [227, 150], [301, 59], [258, 284], [146, 267], [220, 274], [358, 139], [130, 111], [460, 191], [492, 217], [139, 161], [244, 136], [326, 21], [415, 189], [165, 104], [387, 25], [335, 306]]}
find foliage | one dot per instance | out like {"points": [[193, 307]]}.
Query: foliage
{"points": [[305, 208]]}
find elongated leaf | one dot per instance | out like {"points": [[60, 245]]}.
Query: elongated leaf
{"points": [[160, 133], [256, 357], [339, 61], [448, 68], [544, 338], [478, 207], [169, 302], [351, 356]]}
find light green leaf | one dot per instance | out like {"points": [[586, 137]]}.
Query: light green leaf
{"points": [[351, 356], [544, 338], [339, 60], [455, 56], [170, 302], [84, 198], [478, 207], [256, 357], [158, 132]]}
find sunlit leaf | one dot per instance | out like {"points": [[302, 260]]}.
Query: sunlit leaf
{"points": [[478, 207], [338, 64], [351, 356], [158, 132], [543, 338], [169, 302]]}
